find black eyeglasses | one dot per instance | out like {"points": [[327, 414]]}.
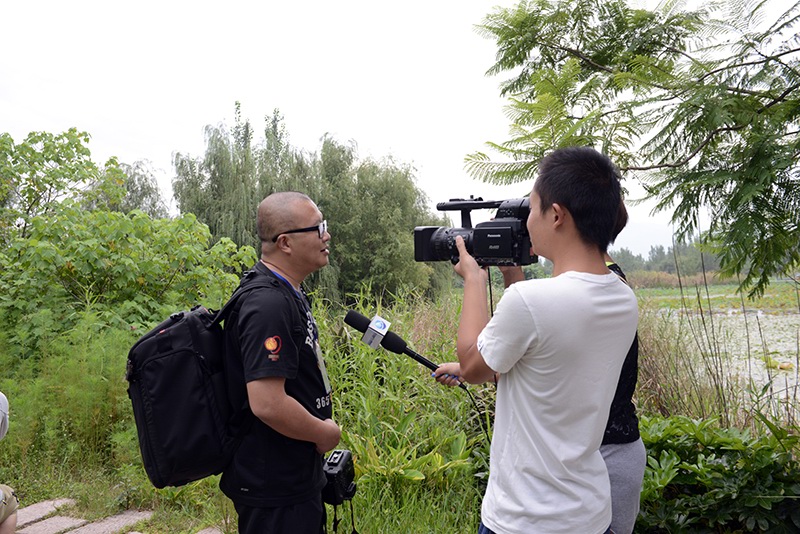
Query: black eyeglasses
{"points": [[321, 228]]}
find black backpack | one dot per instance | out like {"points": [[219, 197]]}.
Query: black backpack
{"points": [[176, 384]]}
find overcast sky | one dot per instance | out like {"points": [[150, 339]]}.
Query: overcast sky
{"points": [[401, 79]]}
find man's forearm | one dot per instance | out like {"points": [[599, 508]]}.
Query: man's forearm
{"points": [[474, 317], [283, 413], [293, 421]]}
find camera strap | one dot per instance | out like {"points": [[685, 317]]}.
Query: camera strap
{"points": [[336, 519]]}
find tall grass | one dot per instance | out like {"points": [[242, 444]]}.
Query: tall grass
{"points": [[420, 452]]}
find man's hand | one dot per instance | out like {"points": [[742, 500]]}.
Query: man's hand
{"points": [[330, 438], [511, 274], [467, 267], [448, 374]]}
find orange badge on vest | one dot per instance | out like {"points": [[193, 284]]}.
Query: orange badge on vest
{"points": [[273, 346]]}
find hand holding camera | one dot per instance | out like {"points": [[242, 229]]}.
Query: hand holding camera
{"points": [[467, 266]]}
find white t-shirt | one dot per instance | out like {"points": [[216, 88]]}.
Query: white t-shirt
{"points": [[559, 344], [3, 415]]}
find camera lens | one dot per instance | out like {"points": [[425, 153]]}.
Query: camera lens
{"points": [[443, 243]]}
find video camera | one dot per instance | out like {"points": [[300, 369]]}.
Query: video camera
{"points": [[501, 241]]}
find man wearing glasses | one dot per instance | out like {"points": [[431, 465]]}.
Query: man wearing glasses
{"points": [[277, 382]]}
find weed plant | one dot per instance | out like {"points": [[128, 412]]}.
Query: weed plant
{"points": [[703, 478], [419, 448]]}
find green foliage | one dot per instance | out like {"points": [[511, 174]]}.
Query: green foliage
{"points": [[780, 298], [704, 104], [626, 259], [223, 188], [126, 268], [416, 444], [67, 401], [701, 478], [419, 448], [682, 258], [373, 208]]}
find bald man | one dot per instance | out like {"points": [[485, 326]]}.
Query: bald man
{"points": [[277, 383]]}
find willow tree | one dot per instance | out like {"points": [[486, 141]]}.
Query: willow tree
{"points": [[142, 190], [224, 186], [371, 206], [220, 188], [703, 105]]}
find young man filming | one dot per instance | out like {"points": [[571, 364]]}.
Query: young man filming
{"points": [[558, 345]]}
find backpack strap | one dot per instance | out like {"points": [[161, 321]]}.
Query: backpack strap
{"points": [[253, 279], [250, 280], [616, 269]]}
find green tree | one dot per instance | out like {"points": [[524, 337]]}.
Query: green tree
{"points": [[628, 260], [702, 104], [45, 169], [660, 259], [691, 258], [372, 207], [280, 166]]}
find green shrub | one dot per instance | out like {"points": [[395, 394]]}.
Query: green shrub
{"points": [[701, 478], [125, 267], [417, 452], [419, 447]]}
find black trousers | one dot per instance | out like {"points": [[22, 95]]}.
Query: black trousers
{"points": [[303, 518]]}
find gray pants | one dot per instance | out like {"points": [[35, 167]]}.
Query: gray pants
{"points": [[625, 463]]}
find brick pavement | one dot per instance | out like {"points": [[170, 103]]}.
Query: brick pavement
{"points": [[47, 518]]}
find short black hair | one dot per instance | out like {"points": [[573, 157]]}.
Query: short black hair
{"points": [[622, 220], [587, 184]]}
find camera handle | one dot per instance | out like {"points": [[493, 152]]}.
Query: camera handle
{"points": [[465, 206]]}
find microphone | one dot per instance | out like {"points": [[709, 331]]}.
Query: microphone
{"points": [[391, 341]]}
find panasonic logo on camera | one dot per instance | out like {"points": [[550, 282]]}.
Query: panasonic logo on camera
{"points": [[493, 235]]}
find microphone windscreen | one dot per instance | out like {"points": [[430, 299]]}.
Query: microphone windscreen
{"points": [[391, 341], [394, 343], [356, 320]]}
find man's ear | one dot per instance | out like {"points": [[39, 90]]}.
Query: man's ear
{"points": [[559, 214], [282, 243]]}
